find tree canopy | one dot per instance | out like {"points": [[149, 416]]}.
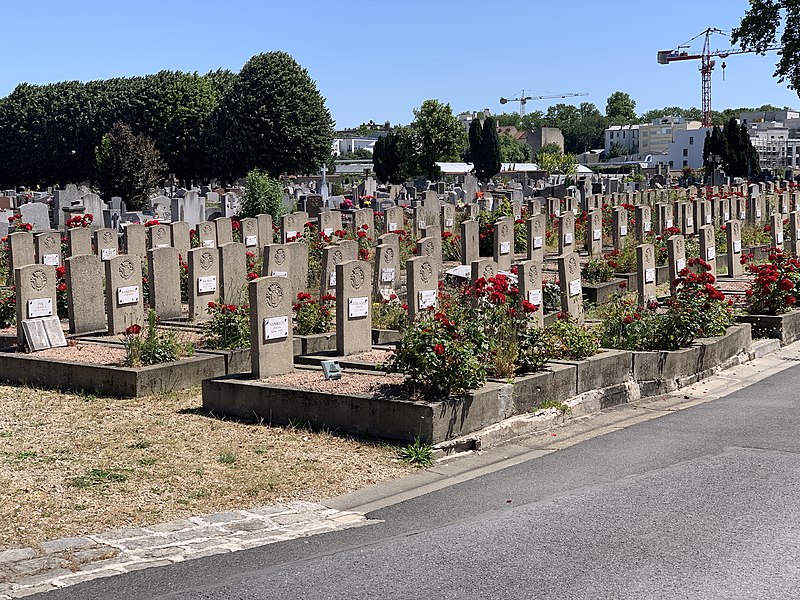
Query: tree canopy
{"points": [[759, 28], [735, 152], [620, 109], [438, 136], [484, 148]]}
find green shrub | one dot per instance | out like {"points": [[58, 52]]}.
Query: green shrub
{"points": [[571, 341], [8, 309], [263, 195], [597, 271], [228, 328], [150, 347]]}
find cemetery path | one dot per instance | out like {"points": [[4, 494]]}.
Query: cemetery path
{"points": [[702, 502]]}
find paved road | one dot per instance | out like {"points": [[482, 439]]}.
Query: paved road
{"points": [[703, 503]]}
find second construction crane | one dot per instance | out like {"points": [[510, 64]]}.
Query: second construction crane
{"points": [[707, 64], [523, 99]]}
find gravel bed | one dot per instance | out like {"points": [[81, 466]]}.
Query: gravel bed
{"points": [[94, 354], [375, 357], [349, 383]]}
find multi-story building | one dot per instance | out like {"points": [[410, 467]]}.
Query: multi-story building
{"points": [[626, 136], [656, 137], [776, 142], [685, 150]]}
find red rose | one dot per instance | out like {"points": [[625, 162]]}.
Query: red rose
{"points": [[438, 349], [133, 330]]}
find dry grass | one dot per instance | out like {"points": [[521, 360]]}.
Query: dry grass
{"points": [[75, 464]]}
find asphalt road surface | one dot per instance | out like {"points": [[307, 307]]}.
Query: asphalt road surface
{"points": [[703, 503]]}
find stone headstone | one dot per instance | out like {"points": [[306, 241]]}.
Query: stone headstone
{"points": [[344, 251], [37, 214], [594, 234], [85, 305], [536, 237], [387, 270], [204, 281], [776, 230], [190, 208], [644, 224], [313, 205], [330, 222], [21, 250], [250, 238], [94, 206], [79, 241], [529, 282], [733, 234], [180, 238], [619, 226], [135, 237], [298, 274], [470, 247], [566, 233], [164, 279], [48, 248], [646, 273], [569, 274], [422, 285], [271, 341], [124, 301], [35, 295], [448, 218], [106, 243], [353, 308], [483, 268], [206, 233], [503, 247], [158, 236], [233, 272], [676, 251], [393, 219], [364, 220]]}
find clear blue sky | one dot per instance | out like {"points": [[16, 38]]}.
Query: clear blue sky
{"points": [[380, 59]]}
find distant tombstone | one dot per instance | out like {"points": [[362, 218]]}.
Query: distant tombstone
{"points": [[646, 273], [94, 205], [663, 217], [566, 233], [594, 234], [161, 206], [158, 236], [276, 261], [48, 248], [224, 230], [430, 246], [503, 249], [569, 274], [776, 230], [190, 208], [298, 274], [419, 221], [106, 243], [85, 306], [37, 214], [79, 241], [180, 238], [164, 282], [249, 228], [231, 204], [271, 345], [124, 302], [293, 226], [619, 226], [64, 199], [393, 219], [135, 240], [448, 218], [536, 237], [266, 234], [676, 251], [483, 268], [206, 233], [364, 220], [6, 203], [35, 287], [344, 251], [733, 234], [203, 281], [353, 308], [387, 270], [643, 218], [233, 272], [330, 222], [21, 250], [422, 283], [313, 206], [529, 281]]}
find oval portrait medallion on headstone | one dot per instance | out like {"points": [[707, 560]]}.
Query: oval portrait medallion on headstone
{"points": [[274, 294], [426, 271], [38, 280], [389, 254], [126, 269], [357, 277], [206, 260]]}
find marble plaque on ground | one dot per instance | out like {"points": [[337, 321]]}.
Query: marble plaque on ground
{"points": [[43, 333]]}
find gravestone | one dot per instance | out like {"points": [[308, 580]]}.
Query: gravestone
{"points": [[393, 219], [619, 227], [233, 272], [276, 261], [271, 342], [64, 199], [293, 226], [158, 236], [37, 214], [48, 248], [86, 307], [422, 284], [419, 221], [536, 235], [566, 233], [330, 222], [594, 234], [135, 237], [387, 270], [249, 228], [470, 249], [21, 250], [231, 204], [344, 251], [106, 244], [314, 205], [35, 296], [529, 282], [191, 208], [353, 308], [164, 279], [431, 245], [93, 205], [180, 238], [776, 230], [224, 229], [448, 218], [483, 268], [206, 234], [569, 275], [124, 302], [676, 252], [364, 220], [733, 235], [643, 217], [503, 248], [298, 273], [203, 281], [79, 241], [646, 273], [266, 234]]}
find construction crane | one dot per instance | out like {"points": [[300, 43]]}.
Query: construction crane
{"points": [[523, 99], [707, 64]]}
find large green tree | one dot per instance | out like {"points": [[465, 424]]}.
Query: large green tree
{"points": [[733, 148], [512, 150], [393, 158], [438, 136], [620, 109], [759, 29], [491, 161], [263, 195], [583, 126], [271, 117]]}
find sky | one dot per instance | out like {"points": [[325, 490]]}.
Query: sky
{"points": [[380, 59]]}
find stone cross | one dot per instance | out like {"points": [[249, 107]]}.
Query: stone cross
{"points": [[35, 294], [271, 342], [204, 284], [676, 252], [233, 272], [124, 302], [106, 243], [422, 285], [470, 247], [566, 232], [646, 273], [353, 307], [529, 282], [164, 279], [733, 233], [503, 247], [569, 274], [48, 248], [594, 233], [85, 306], [344, 251], [79, 241]]}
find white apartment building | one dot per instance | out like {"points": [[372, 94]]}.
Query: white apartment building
{"points": [[777, 143], [656, 137], [685, 150], [626, 136]]}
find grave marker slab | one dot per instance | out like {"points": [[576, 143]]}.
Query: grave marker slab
{"points": [[124, 302], [85, 306], [164, 278], [35, 295], [204, 281], [353, 308], [271, 343]]}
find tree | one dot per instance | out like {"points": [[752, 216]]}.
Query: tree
{"points": [[393, 158], [616, 150], [271, 117], [438, 136], [263, 195], [475, 137], [128, 165], [759, 28], [732, 145], [620, 109], [552, 160], [583, 126], [484, 149], [512, 150]]}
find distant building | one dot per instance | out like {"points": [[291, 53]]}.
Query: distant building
{"points": [[542, 136], [347, 145], [590, 157], [686, 149], [655, 137], [626, 136]]}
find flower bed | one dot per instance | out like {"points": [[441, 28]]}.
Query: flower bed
{"points": [[601, 293], [772, 296]]}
